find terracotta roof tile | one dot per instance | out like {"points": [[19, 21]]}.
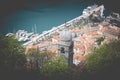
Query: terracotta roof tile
{"points": [[111, 31], [30, 47], [104, 24], [75, 30], [79, 57], [53, 50]]}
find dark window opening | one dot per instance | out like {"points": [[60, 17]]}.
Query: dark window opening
{"points": [[62, 50]]}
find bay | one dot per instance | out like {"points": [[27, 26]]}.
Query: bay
{"points": [[43, 17]]}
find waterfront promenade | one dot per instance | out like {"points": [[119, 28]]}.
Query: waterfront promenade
{"points": [[63, 26]]}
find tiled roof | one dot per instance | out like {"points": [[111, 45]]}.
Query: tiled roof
{"points": [[79, 57], [53, 49], [104, 24], [80, 47], [75, 30], [82, 38], [110, 31], [30, 47], [87, 39], [92, 33]]}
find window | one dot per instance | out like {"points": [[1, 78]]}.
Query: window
{"points": [[62, 50]]}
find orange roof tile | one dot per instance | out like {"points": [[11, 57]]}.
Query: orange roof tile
{"points": [[75, 30], [30, 47], [80, 47], [111, 31], [95, 36], [79, 57], [104, 24], [53, 49], [92, 33]]}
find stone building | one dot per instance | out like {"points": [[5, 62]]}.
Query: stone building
{"points": [[65, 47]]}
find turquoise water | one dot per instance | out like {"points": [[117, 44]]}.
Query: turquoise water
{"points": [[45, 18]]}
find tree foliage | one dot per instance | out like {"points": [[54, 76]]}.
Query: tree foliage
{"points": [[12, 59], [103, 56], [11, 54], [39, 58], [99, 40], [102, 61], [57, 69]]}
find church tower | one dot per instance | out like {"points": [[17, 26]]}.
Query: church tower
{"points": [[65, 47]]}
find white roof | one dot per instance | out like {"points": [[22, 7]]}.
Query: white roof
{"points": [[65, 36]]}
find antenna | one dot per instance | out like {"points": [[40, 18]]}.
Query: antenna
{"points": [[32, 29], [35, 29]]}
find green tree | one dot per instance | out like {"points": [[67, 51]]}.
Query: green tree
{"points": [[103, 56], [39, 58], [12, 58], [57, 69], [99, 40], [11, 54]]}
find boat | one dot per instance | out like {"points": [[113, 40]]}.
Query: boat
{"points": [[9, 34]]}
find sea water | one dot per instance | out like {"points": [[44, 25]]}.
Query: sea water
{"points": [[43, 18]]}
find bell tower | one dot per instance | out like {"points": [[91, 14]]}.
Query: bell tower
{"points": [[65, 47]]}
